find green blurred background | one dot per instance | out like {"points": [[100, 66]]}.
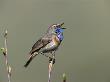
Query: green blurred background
{"points": [[85, 52]]}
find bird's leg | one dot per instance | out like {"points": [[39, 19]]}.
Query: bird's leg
{"points": [[46, 55], [51, 59]]}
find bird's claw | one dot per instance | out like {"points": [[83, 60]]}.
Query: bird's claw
{"points": [[51, 60]]}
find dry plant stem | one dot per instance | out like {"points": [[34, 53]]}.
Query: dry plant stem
{"points": [[50, 67], [64, 77], [6, 59]]}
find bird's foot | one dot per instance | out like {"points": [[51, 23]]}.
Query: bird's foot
{"points": [[51, 60]]}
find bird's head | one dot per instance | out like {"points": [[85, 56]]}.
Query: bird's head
{"points": [[56, 28]]}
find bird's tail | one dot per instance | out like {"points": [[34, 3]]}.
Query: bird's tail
{"points": [[30, 59]]}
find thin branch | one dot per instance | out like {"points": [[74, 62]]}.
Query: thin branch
{"points": [[51, 62], [5, 52]]}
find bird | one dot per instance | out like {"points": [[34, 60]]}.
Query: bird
{"points": [[48, 43]]}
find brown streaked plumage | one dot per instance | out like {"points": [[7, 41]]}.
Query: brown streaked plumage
{"points": [[36, 47]]}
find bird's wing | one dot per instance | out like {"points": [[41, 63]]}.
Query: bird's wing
{"points": [[40, 44]]}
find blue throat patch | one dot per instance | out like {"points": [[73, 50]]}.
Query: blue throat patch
{"points": [[59, 32], [60, 36]]}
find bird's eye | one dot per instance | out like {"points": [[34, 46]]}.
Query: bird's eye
{"points": [[54, 27]]}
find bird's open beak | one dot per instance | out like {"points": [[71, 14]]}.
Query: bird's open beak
{"points": [[62, 25]]}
